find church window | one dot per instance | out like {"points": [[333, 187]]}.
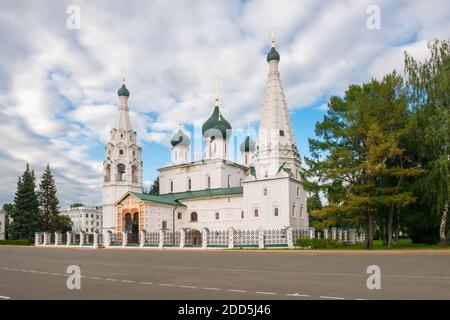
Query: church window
{"points": [[164, 225], [275, 212], [121, 152], [217, 216], [266, 174], [256, 212], [246, 159], [208, 182], [108, 173], [121, 135], [293, 209], [229, 181], [265, 191], [120, 172], [298, 191], [189, 184], [301, 210], [194, 217], [171, 186], [242, 214], [180, 215], [281, 133]]}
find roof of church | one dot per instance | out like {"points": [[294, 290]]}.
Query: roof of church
{"points": [[204, 193], [180, 138], [273, 55], [123, 91], [216, 123], [155, 198]]}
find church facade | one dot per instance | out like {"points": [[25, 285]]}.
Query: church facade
{"points": [[263, 191]]}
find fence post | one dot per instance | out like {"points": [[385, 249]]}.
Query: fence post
{"points": [[261, 238], [161, 238], [325, 233], [182, 237], [205, 232], [230, 237], [339, 232], [333, 233], [57, 234], [141, 238], [124, 238], [81, 238], [36, 238], [45, 239], [311, 232], [289, 239], [95, 245]]}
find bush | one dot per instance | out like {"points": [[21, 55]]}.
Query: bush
{"points": [[316, 243], [16, 242]]}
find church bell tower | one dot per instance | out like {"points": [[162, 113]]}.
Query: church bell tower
{"points": [[122, 168]]}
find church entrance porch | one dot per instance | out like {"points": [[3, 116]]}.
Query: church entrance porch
{"points": [[131, 227], [193, 238]]}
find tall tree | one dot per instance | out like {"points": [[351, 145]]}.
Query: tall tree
{"points": [[155, 187], [49, 203], [25, 218], [358, 155], [428, 85]]}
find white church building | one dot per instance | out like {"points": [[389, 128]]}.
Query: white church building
{"points": [[263, 191]]}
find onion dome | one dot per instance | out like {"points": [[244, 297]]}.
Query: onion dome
{"points": [[123, 91], [247, 145], [216, 124], [180, 139], [273, 55]]}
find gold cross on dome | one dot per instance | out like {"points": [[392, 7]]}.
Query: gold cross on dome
{"points": [[272, 32]]}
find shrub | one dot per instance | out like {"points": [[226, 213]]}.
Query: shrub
{"points": [[315, 243], [16, 242]]}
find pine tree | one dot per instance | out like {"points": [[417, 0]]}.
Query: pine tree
{"points": [[155, 187], [25, 217], [49, 204]]}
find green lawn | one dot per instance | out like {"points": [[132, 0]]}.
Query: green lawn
{"points": [[405, 244]]}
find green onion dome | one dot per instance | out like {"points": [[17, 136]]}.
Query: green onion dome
{"points": [[247, 145], [123, 91], [273, 55], [216, 124], [180, 139]]}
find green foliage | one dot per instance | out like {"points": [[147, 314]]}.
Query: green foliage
{"points": [[155, 187], [16, 242], [77, 205], [64, 223], [315, 243], [25, 216], [49, 203]]}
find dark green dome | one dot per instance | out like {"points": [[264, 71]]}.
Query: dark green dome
{"points": [[216, 123], [247, 145], [180, 138], [273, 55], [123, 91]]}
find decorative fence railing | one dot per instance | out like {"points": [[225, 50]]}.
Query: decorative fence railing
{"points": [[230, 238]]}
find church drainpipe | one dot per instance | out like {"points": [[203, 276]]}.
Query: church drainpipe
{"points": [[173, 226]]}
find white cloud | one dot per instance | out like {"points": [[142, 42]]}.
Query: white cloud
{"points": [[58, 86]]}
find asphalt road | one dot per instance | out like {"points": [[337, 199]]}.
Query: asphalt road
{"points": [[40, 273]]}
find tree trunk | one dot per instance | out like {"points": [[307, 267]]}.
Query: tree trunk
{"points": [[397, 232], [442, 234], [369, 231], [389, 228]]}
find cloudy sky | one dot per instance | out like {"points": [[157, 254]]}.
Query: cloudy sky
{"points": [[58, 86]]}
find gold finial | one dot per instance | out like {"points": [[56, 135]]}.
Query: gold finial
{"points": [[272, 31], [217, 92], [180, 119], [124, 75]]}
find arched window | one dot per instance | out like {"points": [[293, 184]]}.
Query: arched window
{"points": [[301, 210], [189, 184], [194, 217], [171, 186], [265, 191], [120, 172], [229, 181], [293, 209], [108, 173], [256, 212], [134, 174], [121, 152], [275, 212], [242, 214], [246, 159], [298, 191], [217, 216]]}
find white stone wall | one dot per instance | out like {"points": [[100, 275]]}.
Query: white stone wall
{"points": [[217, 170]]}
